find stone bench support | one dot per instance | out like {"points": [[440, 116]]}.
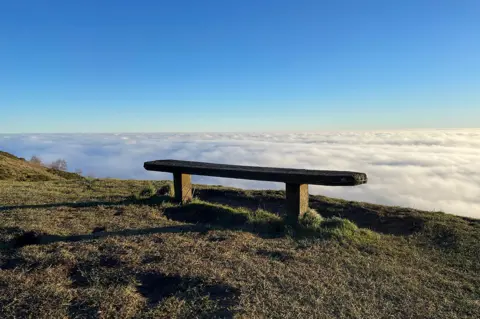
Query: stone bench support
{"points": [[296, 201], [182, 184]]}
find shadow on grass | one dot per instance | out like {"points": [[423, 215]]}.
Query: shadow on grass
{"points": [[262, 223], [37, 238], [269, 200], [131, 200], [211, 300], [164, 293], [72, 205], [387, 220], [382, 219], [227, 208], [202, 217]]}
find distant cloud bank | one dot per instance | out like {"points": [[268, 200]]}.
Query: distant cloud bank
{"points": [[429, 170]]}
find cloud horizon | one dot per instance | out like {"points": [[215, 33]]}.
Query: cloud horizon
{"points": [[434, 170]]}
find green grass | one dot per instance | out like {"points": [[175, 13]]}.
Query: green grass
{"points": [[106, 248]]}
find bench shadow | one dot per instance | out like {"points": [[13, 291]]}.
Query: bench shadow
{"points": [[394, 222], [127, 201], [269, 200], [222, 217], [25, 238]]}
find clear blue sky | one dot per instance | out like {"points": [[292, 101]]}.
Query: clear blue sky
{"points": [[238, 65]]}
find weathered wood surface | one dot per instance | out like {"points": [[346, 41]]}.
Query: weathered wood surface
{"points": [[273, 174]]}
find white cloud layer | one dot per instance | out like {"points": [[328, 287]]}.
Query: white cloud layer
{"points": [[430, 170]]}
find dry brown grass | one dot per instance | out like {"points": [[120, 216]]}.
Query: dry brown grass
{"points": [[17, 169], [96, 248], [108, 248]]}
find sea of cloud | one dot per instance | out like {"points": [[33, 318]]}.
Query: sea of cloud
{"points": [[434, 170]]}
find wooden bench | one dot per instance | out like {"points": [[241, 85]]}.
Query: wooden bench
{"points": [[296, 180]]}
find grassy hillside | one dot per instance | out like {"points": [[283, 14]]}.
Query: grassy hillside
{"points": [[17, 169], [95, 248]]}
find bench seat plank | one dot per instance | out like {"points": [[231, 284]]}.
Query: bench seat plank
{"points": [[273, 174]]}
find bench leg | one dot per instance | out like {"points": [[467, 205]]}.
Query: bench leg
{"points": [[182, 183], [297, 201]]}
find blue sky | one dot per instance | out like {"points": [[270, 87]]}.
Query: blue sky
{"points": [[136, 66]]}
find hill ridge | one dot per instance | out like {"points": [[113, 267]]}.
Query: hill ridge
{"points": [[18, 169]]}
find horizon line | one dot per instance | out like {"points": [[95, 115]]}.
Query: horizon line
{"points": [[252, 131]]}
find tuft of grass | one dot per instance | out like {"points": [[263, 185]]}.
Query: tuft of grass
{"points": [[147, 191], [340, 228], [312, 224], [263, 221], [310, 220]]}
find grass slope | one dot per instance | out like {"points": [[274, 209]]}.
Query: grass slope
{"points": [[17, 169], [95, 248]]}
